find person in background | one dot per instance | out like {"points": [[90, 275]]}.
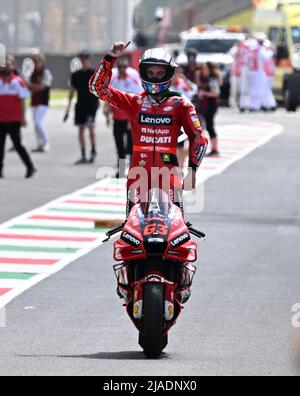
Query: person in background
{"points": [[127, 80], [244, 103], [86, 107], [192, 70], [236, 73], [16, 72], [13, 92], [40, 84], [181, 84], [257, 77], [12, 59], [175, 53], [209, 94], [268, 101]]}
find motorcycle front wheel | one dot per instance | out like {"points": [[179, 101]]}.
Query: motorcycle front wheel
{"points": [[152, 339]]}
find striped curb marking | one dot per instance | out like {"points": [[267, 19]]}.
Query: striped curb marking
{"points": [[39, 243]]}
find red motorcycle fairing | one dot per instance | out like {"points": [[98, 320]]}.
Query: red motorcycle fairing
{"points": [[131, 244], [138, 231]]}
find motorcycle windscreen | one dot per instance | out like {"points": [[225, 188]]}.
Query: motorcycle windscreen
{"points": [[158, 203]]}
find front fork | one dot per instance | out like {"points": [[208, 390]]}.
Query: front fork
{"points": [[138, 296], [177, 286]]}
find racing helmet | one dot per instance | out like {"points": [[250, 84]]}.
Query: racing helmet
{"points": [[157, 57]]}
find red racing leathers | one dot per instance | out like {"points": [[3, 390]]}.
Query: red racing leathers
{"points": [[155, 129]]}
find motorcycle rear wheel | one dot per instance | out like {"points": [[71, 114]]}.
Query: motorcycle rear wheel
{"points": [[152, 336]]}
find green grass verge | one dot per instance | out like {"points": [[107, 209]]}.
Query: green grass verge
{"points": [[244, 19]]}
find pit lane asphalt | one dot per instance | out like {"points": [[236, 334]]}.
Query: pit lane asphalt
{"points": [[238, 321]]}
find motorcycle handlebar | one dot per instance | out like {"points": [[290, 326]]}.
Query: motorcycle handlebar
{"points": [[195, 232], [112, 232]]}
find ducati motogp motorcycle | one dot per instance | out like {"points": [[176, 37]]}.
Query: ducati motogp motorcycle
{"points": [[155, 271]]}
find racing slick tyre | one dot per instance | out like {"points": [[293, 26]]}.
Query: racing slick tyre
{"points": [[152, 338]]}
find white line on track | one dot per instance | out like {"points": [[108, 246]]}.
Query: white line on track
{"points": [[45, 244]]}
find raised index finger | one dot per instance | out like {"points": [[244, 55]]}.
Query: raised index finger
{"points": [[127, 45]]}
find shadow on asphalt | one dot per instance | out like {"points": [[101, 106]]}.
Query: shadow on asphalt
{"points": [[124, 355]]}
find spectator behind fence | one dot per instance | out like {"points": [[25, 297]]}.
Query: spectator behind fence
{"points": [[127, 80], [86, 106], [208, 101], [13, 92], [39, 84]]}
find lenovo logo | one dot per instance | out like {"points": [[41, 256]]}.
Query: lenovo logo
{"points": [[130, 239], [153, 119], [180, 240]]}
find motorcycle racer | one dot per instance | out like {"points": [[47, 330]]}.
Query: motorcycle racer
{"points": [[156, 117]]}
